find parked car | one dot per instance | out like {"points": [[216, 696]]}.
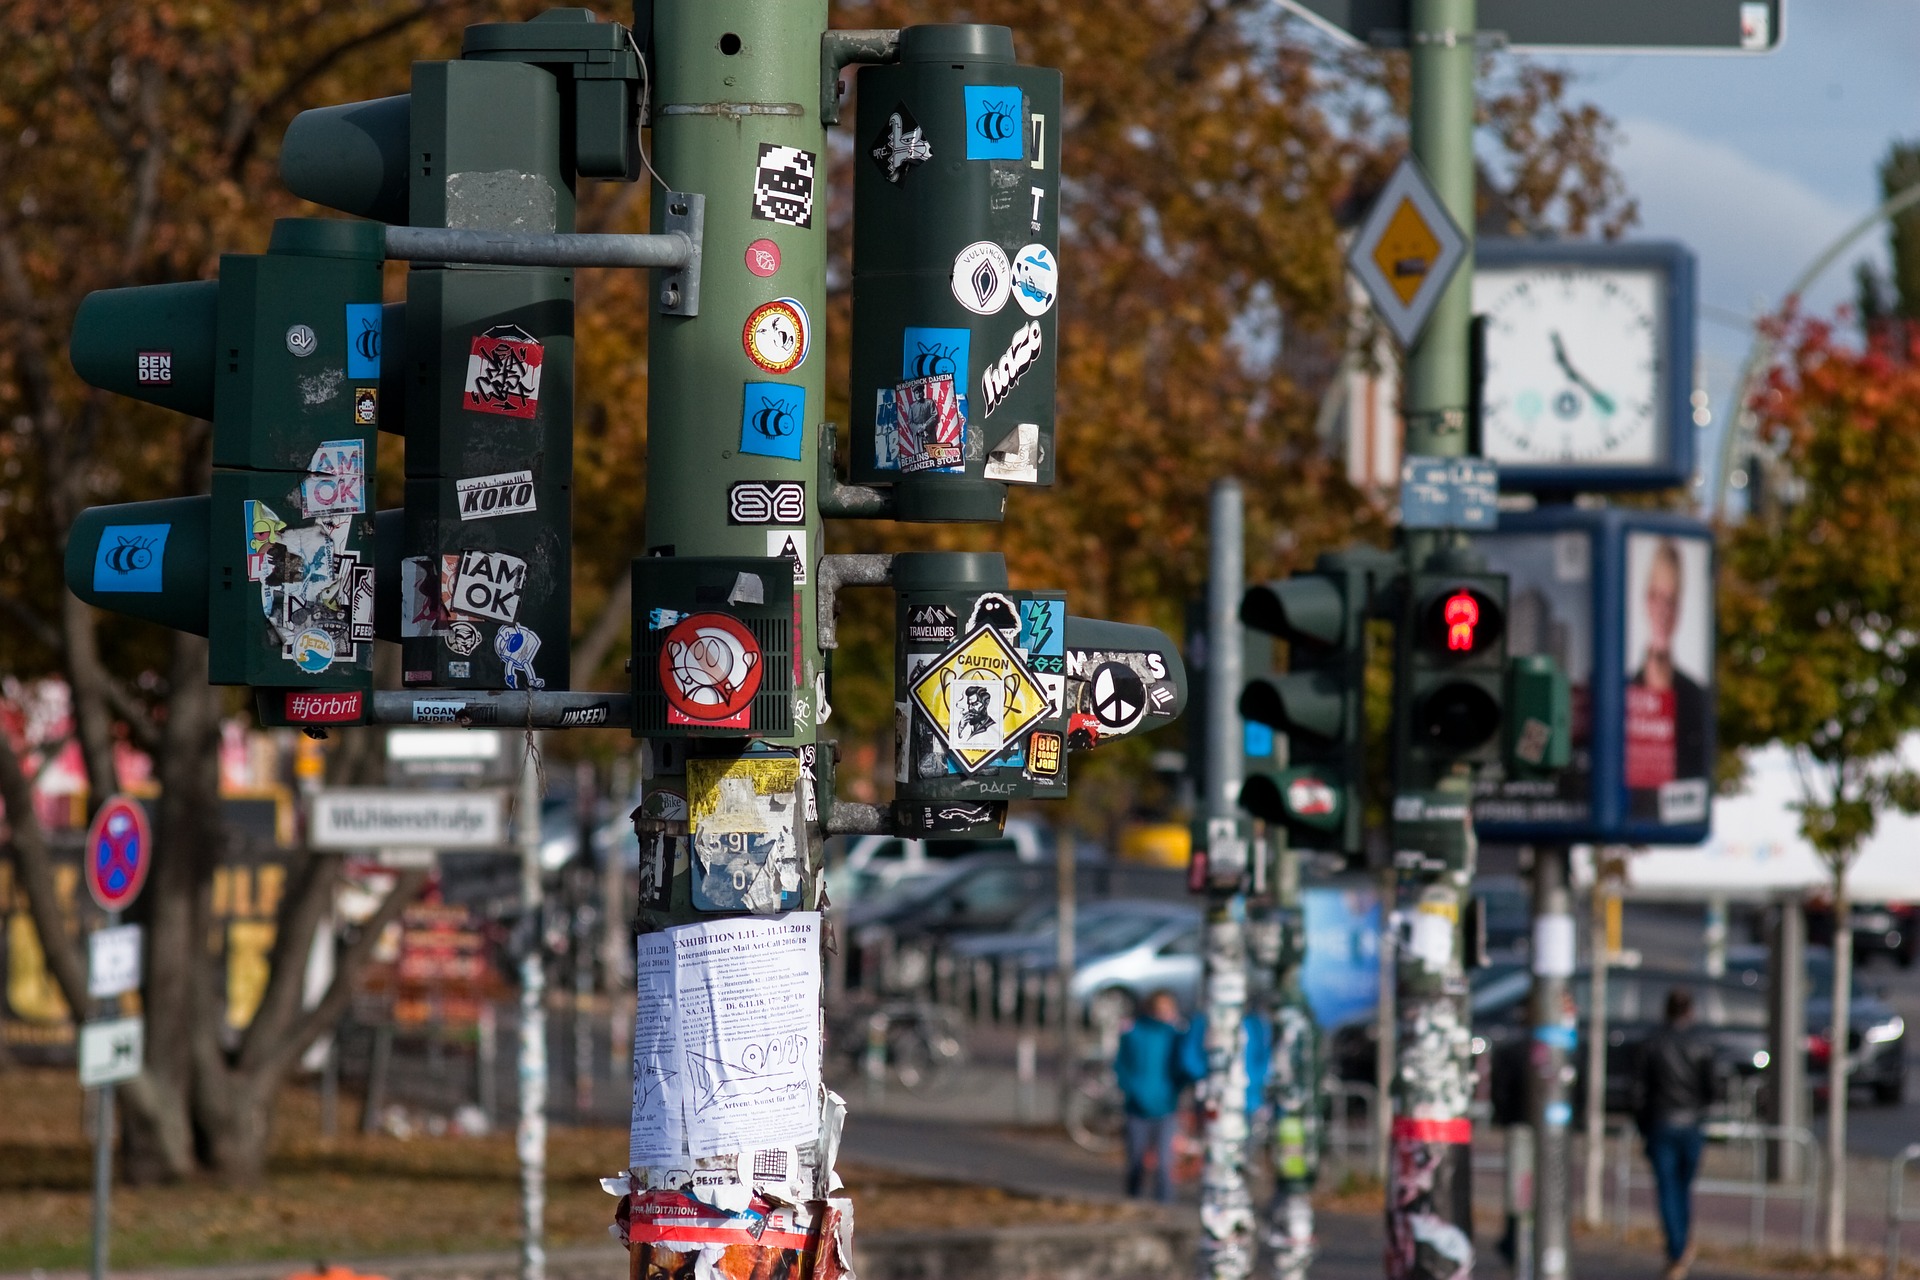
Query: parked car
{"points": [[1507, 909], [1890, 929], [1877, 1036], [864, 866], [1146, 946]]}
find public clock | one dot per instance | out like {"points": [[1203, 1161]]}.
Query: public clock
{"points": [[1586, 364]]}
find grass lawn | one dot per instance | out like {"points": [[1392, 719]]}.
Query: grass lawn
{"points": [[360, 1197]]}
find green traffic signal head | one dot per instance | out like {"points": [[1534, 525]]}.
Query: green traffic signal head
{"points": [[1309, 702], [145, 560], [151, 342], [1308, 608], [352, 157]]}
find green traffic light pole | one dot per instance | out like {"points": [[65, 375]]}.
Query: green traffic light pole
{"points": [[1429, 1207]]}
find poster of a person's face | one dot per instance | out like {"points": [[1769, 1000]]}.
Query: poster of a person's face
{"points": [[1669, 677], [1549, 613]]}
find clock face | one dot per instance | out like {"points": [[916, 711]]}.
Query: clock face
{"points": [[1575, 365]]}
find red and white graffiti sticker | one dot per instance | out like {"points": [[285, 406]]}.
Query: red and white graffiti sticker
{"points": [[710, 668], [503, 372]]}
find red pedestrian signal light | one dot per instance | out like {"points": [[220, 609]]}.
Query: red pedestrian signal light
{"points": [[1461, 622], [1462, 616]]}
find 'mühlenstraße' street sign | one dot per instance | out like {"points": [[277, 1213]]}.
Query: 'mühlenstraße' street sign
{"points": [[374, 817]]}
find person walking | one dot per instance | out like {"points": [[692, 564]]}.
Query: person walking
{"points": [[1674, 1082], [1147, 1068]]}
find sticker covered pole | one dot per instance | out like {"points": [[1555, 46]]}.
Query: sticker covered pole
{"points": [[1551, 1079], [1429, 1219], [1226, 1206], [733, 1135]]}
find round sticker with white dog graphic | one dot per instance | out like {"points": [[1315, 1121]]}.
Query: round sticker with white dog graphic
{"points": [[710, 668]]}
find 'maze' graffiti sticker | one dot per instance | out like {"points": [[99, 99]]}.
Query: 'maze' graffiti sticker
{"points": [[503, 372]]}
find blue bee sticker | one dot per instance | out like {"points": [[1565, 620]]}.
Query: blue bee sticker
{"points": [[363, 339], [994, 128], [772, 420], [130, 557]]}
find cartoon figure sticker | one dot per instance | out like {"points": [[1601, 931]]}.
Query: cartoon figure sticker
{"points": [[777, 335], [772, 416], [783, 186], [982, 277], [994, 122], [129, 558], [930, 433], [900, 146], [979, 697], [503, 372], [1036, 278], [366, 406], [710, 668], [516, 647]]}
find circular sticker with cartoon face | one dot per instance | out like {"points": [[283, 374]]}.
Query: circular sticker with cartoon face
{"points": [[710, 668], [776, 335]]}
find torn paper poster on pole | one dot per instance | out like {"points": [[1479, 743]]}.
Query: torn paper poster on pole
{"points": [[726, 1043]]}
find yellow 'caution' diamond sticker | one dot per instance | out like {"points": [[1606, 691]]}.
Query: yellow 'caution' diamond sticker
{"points": [[980, 697]]}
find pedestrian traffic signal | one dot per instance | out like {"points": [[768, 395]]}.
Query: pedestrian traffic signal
{"points": [[1451, 678], [275, 567], [1319, 702]]}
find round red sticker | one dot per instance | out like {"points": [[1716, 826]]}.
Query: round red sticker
{"points": [[710, 668], [119, 850], [763, 257]]}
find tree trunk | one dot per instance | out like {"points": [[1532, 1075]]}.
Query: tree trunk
{"points": [[233, 1114], [178, 991], [1837, 1056]]}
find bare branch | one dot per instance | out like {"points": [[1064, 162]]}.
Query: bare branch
{"points": [[325, 1014], [243, 135], [606, 630]]}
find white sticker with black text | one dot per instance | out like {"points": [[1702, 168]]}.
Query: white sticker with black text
{"points": [[508, 494]]}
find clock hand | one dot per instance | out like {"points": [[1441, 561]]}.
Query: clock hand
{"points": [[1600, 398]]}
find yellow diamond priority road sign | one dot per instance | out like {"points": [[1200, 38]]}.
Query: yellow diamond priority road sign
{"points": [[980, 697], [1406, 251]]}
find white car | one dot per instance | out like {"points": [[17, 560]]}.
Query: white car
{"points": [[868, 866]]}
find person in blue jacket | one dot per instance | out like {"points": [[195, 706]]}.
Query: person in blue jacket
{"points": [[1148, 1070], [1259, 1041]]}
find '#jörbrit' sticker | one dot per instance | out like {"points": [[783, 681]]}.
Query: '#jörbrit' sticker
{"points": [[507, 494], [503, 372]]}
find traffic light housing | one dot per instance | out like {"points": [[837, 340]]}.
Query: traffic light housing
{"points": [[276, 566], [1451, 677], [1319, 702]]}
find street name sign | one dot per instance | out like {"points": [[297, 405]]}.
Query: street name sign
{"points": [[111, 1051], [113, 961], [1406, 251], [1681, 26], [375, 818]]}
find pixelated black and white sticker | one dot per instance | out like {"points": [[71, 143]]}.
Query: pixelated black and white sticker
{"points": [[783, 186]]}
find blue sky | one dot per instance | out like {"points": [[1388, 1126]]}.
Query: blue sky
{"points": [[1758, 162]]}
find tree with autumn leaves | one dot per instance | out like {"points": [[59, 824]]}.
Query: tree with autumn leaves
{"points": [[1820, 610], [1211, 149]]}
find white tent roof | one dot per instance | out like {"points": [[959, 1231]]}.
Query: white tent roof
{"points": [[1756, 850]]}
